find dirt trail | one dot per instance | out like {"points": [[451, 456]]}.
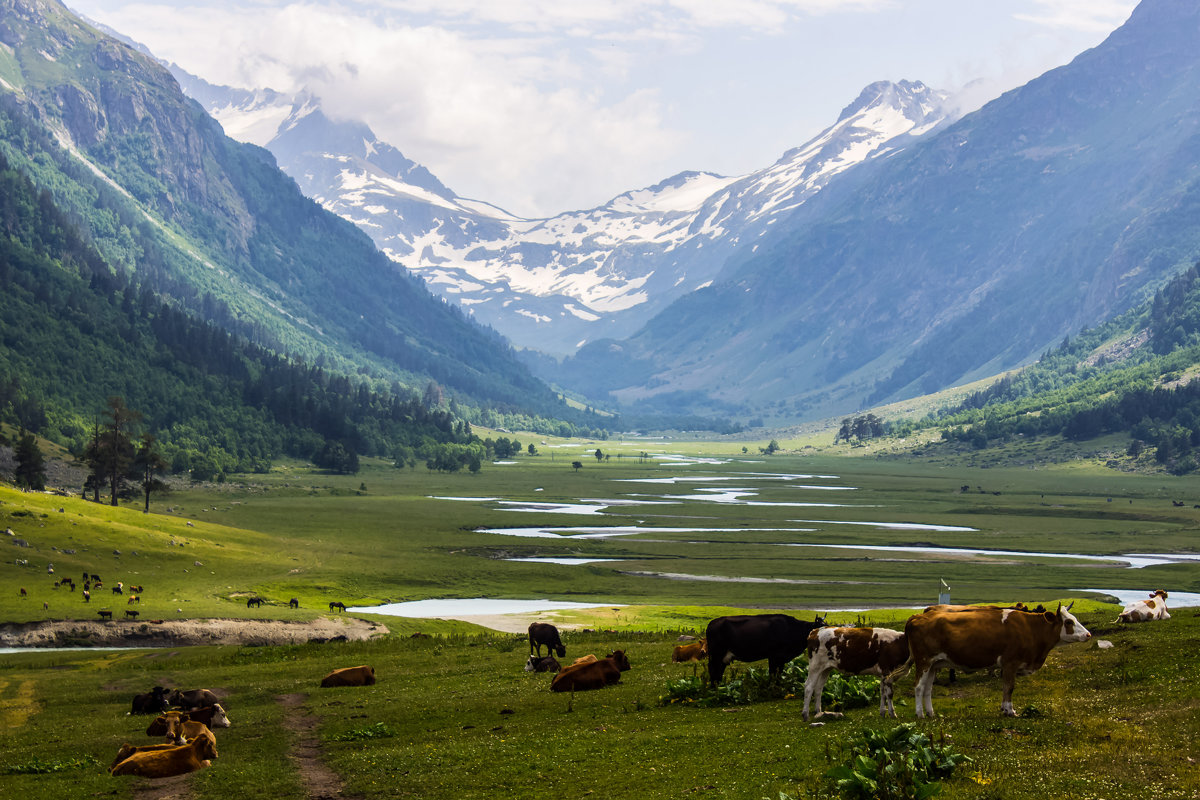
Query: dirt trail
{"points": [[320, 782]]}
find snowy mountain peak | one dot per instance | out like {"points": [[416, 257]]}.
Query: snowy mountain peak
{"points": [[685, 191]]}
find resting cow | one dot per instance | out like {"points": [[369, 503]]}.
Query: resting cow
{"points": [[594, 675], [776, 637], [696, 651], [542, 664], [153, 702], [1017, 641], [210, 716], [1146, 610], [855, 651], [543, 633], [350, 676], [169, 761], [193, 698]]}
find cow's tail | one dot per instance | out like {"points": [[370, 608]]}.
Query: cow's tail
{"points": [[900, 671]]}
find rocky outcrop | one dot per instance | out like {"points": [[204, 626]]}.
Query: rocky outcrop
{"points": [[184, 632]]}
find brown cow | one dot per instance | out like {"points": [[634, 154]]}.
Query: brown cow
{"points": [[855, 651], [169, 761], [213, 716], [350, 676], [975, 639], [193, 698], [594, 675], [696, 651]]}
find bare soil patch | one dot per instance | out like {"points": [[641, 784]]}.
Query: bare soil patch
{"points": [[181, 632], [320, 782]]}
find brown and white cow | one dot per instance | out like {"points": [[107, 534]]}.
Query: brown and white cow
{"points": [[350, 676], [696, 651], [593, 675], [1016, 641], [855, 651], [171, 722], [1146, 610]]}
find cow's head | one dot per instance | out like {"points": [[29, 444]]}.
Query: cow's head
{"points": [[1072, 629], [561, 651], [1160, 593], [818, 622], [619, 659], [219, 719]]}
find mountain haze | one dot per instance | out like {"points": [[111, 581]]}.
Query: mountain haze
{"points": [[1053, 207], [554, 284]]}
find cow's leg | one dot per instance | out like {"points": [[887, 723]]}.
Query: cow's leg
{"points": [[716, 667], [885, 698], [926, 673], [1010, 681], [813, 686]]}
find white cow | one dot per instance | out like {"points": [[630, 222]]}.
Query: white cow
{"points": [[1146, 610]]}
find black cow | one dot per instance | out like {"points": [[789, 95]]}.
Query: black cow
{"points": [[543, 633], [153, 702], [775, 637], [293, 603], [542, 664]]}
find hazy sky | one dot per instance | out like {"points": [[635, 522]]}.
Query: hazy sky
{"points": [[542, 106]]}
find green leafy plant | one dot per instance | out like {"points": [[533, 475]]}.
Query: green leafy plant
{"points": [[377, 731], [900, 764], [755, 685], [38, 766]]}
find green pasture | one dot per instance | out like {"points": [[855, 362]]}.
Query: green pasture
{"points": [[457, 717], [389, 535]]}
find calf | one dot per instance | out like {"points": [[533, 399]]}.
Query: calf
{"points": [[696, 651], [350, 676], [855, 651], [1146, 610], [542, 664], [594, 675], [1017, 641], [169, 761]]}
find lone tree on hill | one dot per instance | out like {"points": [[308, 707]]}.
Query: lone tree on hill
{"points": [[578, 465], [30, 472], [148, 464], [111, 451]]}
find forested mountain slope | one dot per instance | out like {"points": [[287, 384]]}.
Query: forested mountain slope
{"points": [[153, 182]]}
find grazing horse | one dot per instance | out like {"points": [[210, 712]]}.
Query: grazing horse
{"points": [[254, 602], [338, 604], [293, 603]]}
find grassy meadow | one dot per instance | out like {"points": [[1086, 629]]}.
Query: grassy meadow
{"points": [[456, 716]]}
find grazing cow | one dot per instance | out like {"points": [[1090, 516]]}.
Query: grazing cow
{"points": [[152, 702], [293, 603], [193, 698], [170, 761], [95, 578], [1146, 610], [131, 613], [87, 596], [594, 675], [134, 598], [338, 604], [23, 592], [135, 589], [1017, 641], [543, 633], [117, 588], [254, 602], [542, 664], [105, 614], [213, 716], [696, 651], [776, 637], [350, 676], [855, 651]]}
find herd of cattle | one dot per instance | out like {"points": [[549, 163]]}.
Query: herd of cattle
{"points": [[1015, 641]]}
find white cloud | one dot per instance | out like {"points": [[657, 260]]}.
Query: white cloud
{"points": [[1081, 15]]}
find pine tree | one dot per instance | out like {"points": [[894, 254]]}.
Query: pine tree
{"points": [[148, 464], [31, 466]]}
